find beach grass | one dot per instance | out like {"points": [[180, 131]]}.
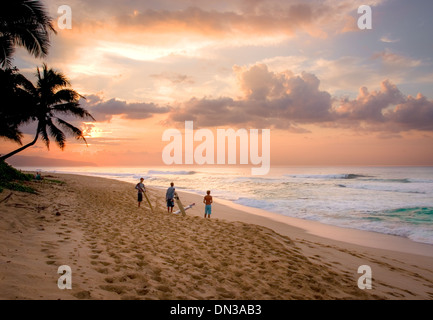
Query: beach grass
{"points": [[13, 179]]}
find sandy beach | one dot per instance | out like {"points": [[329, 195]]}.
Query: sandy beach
{"points": [[118, 251]]}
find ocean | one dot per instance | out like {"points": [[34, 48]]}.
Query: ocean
{"points": [[389, 200]]}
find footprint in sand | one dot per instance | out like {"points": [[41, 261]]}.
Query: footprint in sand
{"points": [[82, 295], [113, 288], [142, 291], [102, 270]]}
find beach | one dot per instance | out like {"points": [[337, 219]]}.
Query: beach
{"points": [[119, 251]]}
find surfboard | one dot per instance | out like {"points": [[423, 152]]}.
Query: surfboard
{"points": [[148, 201], [147, 198], [185, 208], [179, 203]]}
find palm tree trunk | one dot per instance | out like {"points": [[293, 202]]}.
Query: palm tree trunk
{"points": [[3, 158]]}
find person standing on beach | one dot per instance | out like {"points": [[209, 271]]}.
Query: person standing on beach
{"points": [[207, 200], [141, 189], [169, 197], [38, 176]]}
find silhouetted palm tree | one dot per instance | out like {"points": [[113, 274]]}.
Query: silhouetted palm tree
{"points": [[24, 23], [49, 99]]}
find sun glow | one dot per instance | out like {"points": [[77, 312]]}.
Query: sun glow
{"points": [[90, 130]]}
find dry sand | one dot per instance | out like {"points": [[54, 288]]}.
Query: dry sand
{"points": [[119, 251]]}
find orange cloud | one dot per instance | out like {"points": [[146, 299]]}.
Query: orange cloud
{"points": [[285, 100], [218, 20], [215, 24]]}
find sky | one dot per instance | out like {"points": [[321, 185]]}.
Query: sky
{"points": [[330, 93]]}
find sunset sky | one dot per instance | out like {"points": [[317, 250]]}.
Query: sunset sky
{"points": [[331, 94]]}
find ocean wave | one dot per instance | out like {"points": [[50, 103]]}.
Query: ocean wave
{"points": [[255, 180], [415, 223], [417, 234], [404, 180], [256, 203], [411, 213], [171, 172], [385, 224], [381, 188], [420, 180], [111, 175], [339, 176], [119, 176]]}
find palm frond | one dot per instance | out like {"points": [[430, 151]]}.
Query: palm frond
{"points": [[11, 132], [36, 10], [57, 134], [76, 132], [26, 84], [51, 80], [72, 108], [66, 95], [6, 51], [44, 135], [15, 108], [26, 24], [35, 42]]}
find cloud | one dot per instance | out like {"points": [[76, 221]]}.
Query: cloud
{"points": [[108, 141], [278, 100], [284, 100], [222, 19], [271, 18], [104, 110], [173, 78], [413, 114], [387, 110], [395, 60], [387, 39], [370, 106]]}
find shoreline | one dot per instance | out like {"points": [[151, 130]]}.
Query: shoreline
{"points": [[119, 251], [363, 238], [348, 235], [339, 233], [354, 236]]}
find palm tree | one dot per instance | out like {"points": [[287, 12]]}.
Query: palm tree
{"points": [[49, 99], [23, 23]]}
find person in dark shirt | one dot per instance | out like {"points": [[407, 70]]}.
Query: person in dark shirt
{"points": [[141, 189], [169, 197]]}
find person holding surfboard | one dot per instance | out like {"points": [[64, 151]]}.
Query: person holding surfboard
{"points": [[141, 189], [169, 197], [207, 200]]}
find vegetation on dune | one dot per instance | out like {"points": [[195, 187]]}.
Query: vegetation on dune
{"points": [[13, 179]]}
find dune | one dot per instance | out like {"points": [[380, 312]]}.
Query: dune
{"points": [[119, 251]]}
